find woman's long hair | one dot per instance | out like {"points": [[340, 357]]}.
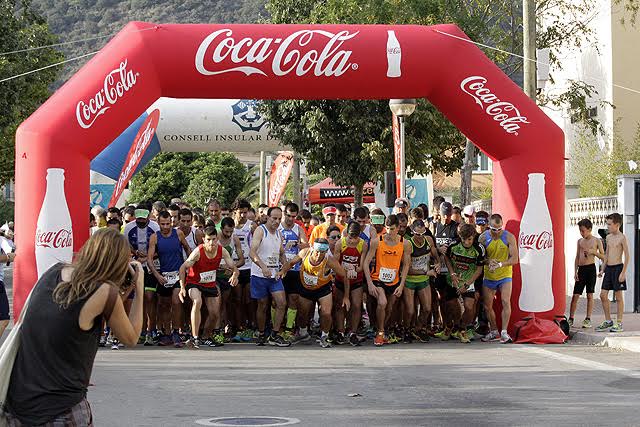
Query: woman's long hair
{"points": [[104, 258]]}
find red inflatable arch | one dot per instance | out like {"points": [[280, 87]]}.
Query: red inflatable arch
{"points": [[146, 61]]}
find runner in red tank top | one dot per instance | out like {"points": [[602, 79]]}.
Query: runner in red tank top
{"points": [[200, 282], [350, 252]]}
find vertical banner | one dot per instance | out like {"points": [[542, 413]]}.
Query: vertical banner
{"points": [[396, 151], [280, 171], [138, 147]]}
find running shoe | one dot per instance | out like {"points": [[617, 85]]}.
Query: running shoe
{"points": [[340, 339], [491, 336], [114, 344], [407, 337], [570, 320], [353, 340], [164, 340], [462, 336], [505, 338], [193, 343], [218, 340], [617, 327], [261, 340], [175, 339], [148, 341], [393, 338], [142, 338], [444, 335], [586, 323], [421, 335], [297, 338], [324, 342], [455, 334], [471, 333], [604, 326], [238, 336], [287, 335], [380, 340], [248, 335], [277, 340], [103, 341]]}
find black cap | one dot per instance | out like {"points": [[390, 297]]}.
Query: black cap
{"points": [[446, 208]]}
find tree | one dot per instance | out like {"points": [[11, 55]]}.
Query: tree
{"points": [[6, 210], [166, 176], [21, 28], [218, 176]]}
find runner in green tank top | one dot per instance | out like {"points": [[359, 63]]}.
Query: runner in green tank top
{"points": [[464, 261], [423, 251]]}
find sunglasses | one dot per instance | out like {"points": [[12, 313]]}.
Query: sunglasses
{"points": [[495, 228], [291, 216], [334, 237], [468, 216], [419, 234]]}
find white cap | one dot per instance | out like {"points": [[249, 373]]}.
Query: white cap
{"points": [[469, 210]]}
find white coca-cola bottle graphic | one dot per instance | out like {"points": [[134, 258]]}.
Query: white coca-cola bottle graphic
{"points": [[394, 55], [54, 236], [536, 250]]}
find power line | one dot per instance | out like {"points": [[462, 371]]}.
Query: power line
{"points": [[49, 66], [70, 42]]}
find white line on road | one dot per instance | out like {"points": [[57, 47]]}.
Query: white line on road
{"points": [[572, 360]]}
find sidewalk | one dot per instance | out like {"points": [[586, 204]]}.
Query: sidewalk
{"points": [[628, 340]]}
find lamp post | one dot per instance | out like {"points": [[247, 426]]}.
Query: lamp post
{"points": [[402, 108]]}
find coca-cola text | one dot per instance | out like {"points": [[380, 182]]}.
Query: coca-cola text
{"points": [[330, 61], [116, 84], [540, 241], [54, 239], [504, 112]]}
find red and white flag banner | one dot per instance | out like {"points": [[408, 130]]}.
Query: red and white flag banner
{"points": [[280, 171]]}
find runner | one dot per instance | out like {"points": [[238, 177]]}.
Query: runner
{"points": [[201, 282], [157, 207], [198, 221], [342, 215], [174, 211], [387, 281], [329, 212], [267, 252], [403, 225], [193, 235], [481, 221], [244, 307], [423, 250], [262, 215], [446, 297], [367, 231], [129, 214], [502, 255], [464, 262], [213, 210], [168, 243], [401, 205], [377, 221], [225, 212], [139, 233], [316, 277], [305, 216], [293, 239], [350, 253], [231, 244]]}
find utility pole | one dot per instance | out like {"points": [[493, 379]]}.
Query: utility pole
{"points": [[297, 194], [529, 42]]}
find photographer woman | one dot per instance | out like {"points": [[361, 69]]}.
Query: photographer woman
{"points": [[61, 329]]}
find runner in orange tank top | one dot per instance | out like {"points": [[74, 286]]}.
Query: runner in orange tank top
{"points": [[386, 283]]}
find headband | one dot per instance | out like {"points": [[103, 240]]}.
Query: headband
{"points": [[321, 247], [377, 219], [329, 210]]}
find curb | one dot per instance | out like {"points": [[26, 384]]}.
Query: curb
{"points": [[628, 343]]}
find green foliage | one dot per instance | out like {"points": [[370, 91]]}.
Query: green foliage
{"points": [[81, 19], [215, 176], [596, 170], [21, 28], [251, 186], [6, 210]]}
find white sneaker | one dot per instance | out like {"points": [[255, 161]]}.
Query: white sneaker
{"points": [[505, 338], [491, 336]]}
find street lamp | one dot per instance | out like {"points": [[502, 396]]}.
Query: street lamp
{"points": [[402, 108]]}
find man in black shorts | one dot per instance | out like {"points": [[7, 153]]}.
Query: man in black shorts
{"points": [[446, 234]]}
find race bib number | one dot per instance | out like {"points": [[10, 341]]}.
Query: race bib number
{"points": [[273, 262], [290, 256], [171, 277], [420, 263], [310, 280], [387, 275], [208, 276]]}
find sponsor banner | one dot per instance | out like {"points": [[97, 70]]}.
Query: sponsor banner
{"points": [[280, 171], [140, 144], [100, 195], [342, 192], [397, 151]]}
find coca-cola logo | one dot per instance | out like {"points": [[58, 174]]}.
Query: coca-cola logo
{"points": [[116, 84], [538, 241], [62, 238], [503, 112], [286, 54]]}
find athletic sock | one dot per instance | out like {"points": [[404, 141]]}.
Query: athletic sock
{"points": [[291, 318], [324, 334]]}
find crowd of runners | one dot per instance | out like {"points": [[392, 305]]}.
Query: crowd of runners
{"points": [[280, 276]]}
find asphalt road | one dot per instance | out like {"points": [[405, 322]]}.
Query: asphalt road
{"points": [[417, 384]]}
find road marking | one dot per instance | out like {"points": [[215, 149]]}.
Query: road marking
{"points": [[248, 421], [573, 360]]}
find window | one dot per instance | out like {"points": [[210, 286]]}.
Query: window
{"points": [[484, 164]]}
